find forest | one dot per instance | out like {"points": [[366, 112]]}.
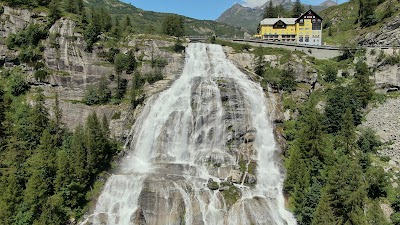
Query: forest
{"points": [[334, 174], [49, 175]]}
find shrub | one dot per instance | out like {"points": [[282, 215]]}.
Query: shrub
{"points": [[330, 73], [29, 55], [30, 36], [18, 85], [98, 94], [159, 62], [288, 82], [41, 75], [368, 141], [178, 47], [154, 76]]}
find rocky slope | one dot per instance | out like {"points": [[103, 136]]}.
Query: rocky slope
{"points": [[74, 69], [387, 35], [343, 27]]}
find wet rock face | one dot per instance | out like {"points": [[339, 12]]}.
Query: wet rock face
{"points": [[68, 54]]}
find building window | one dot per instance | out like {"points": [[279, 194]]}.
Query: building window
{"points": [[316, 26], [300, 39], [307, 39]]}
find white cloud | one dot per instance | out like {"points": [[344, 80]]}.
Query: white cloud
{"points": [[253, 3]]}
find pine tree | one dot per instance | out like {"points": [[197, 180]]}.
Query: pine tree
{"points": [[96, 145], [259, 63], [57, 119], [136, 91], [324, 214], [270, 11], [375, 215], [297, 9], [54, 11], [105, 127], [346, 191], [173, 25], [10, 189], [2, 115], [39, 118], [347, 131], [131, 62], [362, 83]]}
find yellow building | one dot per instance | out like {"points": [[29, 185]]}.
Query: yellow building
{"points": [[307, 29]]}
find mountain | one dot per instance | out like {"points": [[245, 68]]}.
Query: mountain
{"points": [[328, 3], [150, 22], [248, 18]]}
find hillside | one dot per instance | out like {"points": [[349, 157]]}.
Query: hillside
{"points": [[249, 18], [150, 22], [342, 25]]}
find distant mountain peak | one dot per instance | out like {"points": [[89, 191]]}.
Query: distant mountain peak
{"points": [[328, 3]]}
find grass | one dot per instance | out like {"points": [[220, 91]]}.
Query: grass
{"points": [[231, 195], [344, 24]]}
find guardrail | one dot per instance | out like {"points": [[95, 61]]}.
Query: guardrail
{"points": [[327, 47]]}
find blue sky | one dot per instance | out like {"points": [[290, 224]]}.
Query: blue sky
{"points": [[200, 9]]}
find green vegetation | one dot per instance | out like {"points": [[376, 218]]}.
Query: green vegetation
{"points": [[173, 25], [297, 9], [349, 17], [333, 173], [231, 195], [46, 170]]}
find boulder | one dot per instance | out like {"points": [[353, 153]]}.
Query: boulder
{"points": [[235, 176]]}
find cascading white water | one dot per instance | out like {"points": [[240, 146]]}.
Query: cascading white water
{"points": [[210, 120]]}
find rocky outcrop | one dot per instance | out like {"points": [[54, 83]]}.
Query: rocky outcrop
{"points": [[384, 119], [388, 35], [14, 20], [386, 75], [66, 52]]}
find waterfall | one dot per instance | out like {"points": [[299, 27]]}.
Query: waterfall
{"points": [[202, 152]]}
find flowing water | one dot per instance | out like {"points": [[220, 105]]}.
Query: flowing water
{"points": [[212, 123]]}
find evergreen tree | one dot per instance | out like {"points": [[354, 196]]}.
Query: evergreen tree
{"points": [[280, 11], [377, 182], [362, 83], [70, 6], [347, 131], [136, 91], [39, 118], [346, 191], [57, 119], [340, 99], [130, 65], [10, 189], [259, 63], [366, 14], [297, 9], [288, 82], [270, 11], [324, 214], [173, 25], [96, 145], [80, 7], [2, 115], [54, 11], [105, 127], [375, 215], [79, 156]]}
